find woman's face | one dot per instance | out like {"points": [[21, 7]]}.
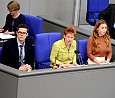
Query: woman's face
{"points": [[69, 38], [13, 12], [102, 29]]}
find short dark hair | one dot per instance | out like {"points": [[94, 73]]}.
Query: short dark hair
{"points": [[22, 26]]}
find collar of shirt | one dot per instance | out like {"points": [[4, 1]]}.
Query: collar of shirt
{"points": [[20, 43]]}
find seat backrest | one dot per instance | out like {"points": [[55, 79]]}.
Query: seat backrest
{"points": [[82, 48], [103, 4], [43, 46], [0, 53], [94, 8], [34, 23]]}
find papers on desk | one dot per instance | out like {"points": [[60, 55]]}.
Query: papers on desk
{"points": [[5, 37], [73, 66], [105, 63]]}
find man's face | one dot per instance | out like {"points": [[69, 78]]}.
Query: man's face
{"points": [[22, 34], [69, 38]]}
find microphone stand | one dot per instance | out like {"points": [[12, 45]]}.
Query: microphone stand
{"points": [[79, 57], [55, 65]]}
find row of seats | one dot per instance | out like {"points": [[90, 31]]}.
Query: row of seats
{"points": [[43, 46], [43, 42]]}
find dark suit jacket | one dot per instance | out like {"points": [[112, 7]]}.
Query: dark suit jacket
{"points": [[10, 53], [108, 15]]}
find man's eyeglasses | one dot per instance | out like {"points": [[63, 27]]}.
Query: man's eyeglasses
{"points": [[22, 33]]}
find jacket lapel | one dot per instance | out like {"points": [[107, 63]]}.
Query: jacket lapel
{"points": [[16, 49]]}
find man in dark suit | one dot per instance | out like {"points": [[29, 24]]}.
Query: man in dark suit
{"points": [[19, 52], [109, 16]]}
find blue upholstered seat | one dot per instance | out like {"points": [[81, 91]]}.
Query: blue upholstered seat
{"points": [[43, 46], [82, 47], [34, 23], [93, 9], [0, 53]]}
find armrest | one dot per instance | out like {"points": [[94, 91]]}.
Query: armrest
{"points": [[94, 16]]}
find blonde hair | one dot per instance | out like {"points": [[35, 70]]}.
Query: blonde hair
{"points": [[70, 29], [13, 6], [96, 42]]}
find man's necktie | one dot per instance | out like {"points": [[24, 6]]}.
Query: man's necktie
{"points": [[21, 55]]}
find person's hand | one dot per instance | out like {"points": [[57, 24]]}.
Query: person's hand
{"points": [[66, 65], [29, 67], [55, 67], [25, 67], [75, 65], [1, 30], [8, 33], [96, 61], [105, 62]]}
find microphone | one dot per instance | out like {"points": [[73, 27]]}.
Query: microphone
{"points": [[77, 52], [56, 66], [79, 57]]}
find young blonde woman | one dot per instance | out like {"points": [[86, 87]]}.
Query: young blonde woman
{"points": [[99, 48]]}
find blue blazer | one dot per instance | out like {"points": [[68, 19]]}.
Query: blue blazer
{"points": [[10, 53]]}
